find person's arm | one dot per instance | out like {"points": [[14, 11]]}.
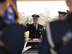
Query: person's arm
{"points": [[27, 26]]}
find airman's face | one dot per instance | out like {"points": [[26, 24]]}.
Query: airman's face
{"points": [[62, 17], [3, 6], [35, 20]]}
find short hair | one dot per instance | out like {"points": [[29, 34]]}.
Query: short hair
{"points": [[1, 1]]}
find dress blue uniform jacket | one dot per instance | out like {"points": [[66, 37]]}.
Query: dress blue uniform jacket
{"points": [[33, 33], [13, 38], [58, 30]]}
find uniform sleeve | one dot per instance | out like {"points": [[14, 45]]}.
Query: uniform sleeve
{"points": [[42, 28], [27, 27]]}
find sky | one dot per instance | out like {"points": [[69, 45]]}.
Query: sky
{"points": [[37, 7]]}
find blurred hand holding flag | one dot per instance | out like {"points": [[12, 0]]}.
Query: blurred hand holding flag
{"points": [[10, 14]]}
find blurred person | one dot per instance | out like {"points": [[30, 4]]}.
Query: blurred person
{"points": [[68, 46], [65, 45], [59, 29], [52, 37], [11, 36]]}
